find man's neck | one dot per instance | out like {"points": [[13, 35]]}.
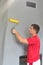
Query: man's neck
{"points": [[34, 35]]}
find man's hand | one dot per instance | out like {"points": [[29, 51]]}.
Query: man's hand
{"points": [[13, 31]]}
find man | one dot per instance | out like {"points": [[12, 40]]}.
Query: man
{"points": [[33, 50]]}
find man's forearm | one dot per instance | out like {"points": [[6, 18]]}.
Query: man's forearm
{"points": [[19, 37]]}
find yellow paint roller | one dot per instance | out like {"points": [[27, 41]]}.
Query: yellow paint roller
{"points": [[13, 20]]}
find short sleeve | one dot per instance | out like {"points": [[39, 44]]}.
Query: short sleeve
{"points": [[31, 40]]}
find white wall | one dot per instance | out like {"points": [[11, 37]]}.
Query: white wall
{"points": [[3, 24], [12, 48]]}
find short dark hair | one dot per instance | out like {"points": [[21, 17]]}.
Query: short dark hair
{"points": [[36, 27]]}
